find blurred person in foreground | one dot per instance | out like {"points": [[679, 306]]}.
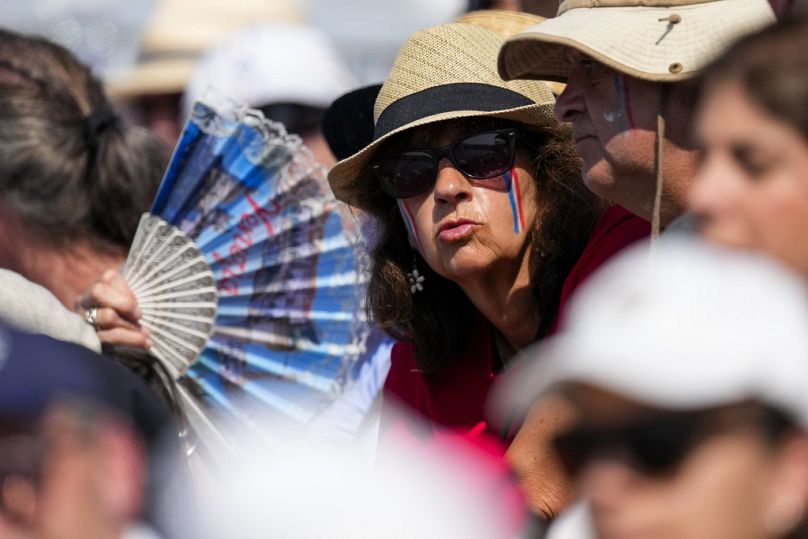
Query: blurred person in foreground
{"points": [[85, 448], [751, 190], [291, 72], [687, 373], [74, 177], [628, 67]]}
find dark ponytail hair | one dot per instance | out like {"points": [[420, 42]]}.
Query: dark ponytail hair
{"points": [[70, 167]]}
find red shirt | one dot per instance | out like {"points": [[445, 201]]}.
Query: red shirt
{"points": [[455, 397]]}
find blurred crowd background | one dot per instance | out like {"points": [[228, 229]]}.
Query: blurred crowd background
{"points": [[667, 401]]}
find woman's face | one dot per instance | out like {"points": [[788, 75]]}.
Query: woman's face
{"points": [[730, 484], [466, 228], [751, 190]]}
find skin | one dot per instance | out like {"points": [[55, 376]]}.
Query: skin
{"points": [[725, 488], [91, 483], [751, 190], [615, 123], [66, 270], [546, 487], [490, 262]]}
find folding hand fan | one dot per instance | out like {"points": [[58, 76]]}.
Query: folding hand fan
{"points": [[246, 273]]}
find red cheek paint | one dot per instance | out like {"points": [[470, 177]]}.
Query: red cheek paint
{"points": [[515, 197]]}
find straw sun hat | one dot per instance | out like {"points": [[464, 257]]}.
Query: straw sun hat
{"points": [[442, 73], [656, 40]]}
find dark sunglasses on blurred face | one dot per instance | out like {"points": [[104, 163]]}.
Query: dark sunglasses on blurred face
{"points": [[483, 155], [657, 443]]}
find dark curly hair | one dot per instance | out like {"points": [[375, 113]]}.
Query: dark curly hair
{"points": [[59, 182], [440, 320]]}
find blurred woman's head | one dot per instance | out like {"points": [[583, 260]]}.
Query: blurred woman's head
{"points": [[71, 171], [752, 187]]}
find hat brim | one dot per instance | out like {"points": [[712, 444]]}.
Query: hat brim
{"points": [[636, 41], [349, 174], [163, 76]]}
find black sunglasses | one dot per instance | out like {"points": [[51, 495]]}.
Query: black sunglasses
{"points": [[481, 156], [654, 446]]}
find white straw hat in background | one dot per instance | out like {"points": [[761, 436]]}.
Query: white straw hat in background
{"points": [[276, 62], [180, 31]]}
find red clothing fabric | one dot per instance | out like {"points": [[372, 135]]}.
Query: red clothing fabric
{"points": [[455, 397]]}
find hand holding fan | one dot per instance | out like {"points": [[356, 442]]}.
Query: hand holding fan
{"points": [[246, 276]]}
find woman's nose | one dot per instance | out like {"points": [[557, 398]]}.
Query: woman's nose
{"points": [[712, 187], [570, 104], [605, 481], [451, 186]]}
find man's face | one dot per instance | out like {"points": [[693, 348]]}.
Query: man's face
{"points": [[614, 118]]}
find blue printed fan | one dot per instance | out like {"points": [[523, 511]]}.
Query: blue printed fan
{"points": [[246, 271]]}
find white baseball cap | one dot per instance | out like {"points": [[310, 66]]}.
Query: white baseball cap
{"points": [[691, 327], [275, 62]]}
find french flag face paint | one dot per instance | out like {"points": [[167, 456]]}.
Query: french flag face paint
{"points": [[409, 220], [511, 178]]}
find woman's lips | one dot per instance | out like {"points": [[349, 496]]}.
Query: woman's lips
{"points": [[457, 230]]}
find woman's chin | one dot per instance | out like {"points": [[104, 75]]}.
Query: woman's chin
{"points": [[463, 267]]}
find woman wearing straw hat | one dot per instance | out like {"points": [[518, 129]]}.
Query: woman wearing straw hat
{"points": [[484, 225]]}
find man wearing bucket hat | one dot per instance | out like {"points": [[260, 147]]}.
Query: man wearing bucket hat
{"points": [[626, 64], [691, 401]]}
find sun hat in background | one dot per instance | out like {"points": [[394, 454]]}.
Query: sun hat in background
{"points": [[442, 73], [180, 31], [277, 62], [656, 40], [690, 327], [507, 23], [501, 21]]}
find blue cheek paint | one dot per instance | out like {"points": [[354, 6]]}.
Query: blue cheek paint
{"points": [[511, 178]]}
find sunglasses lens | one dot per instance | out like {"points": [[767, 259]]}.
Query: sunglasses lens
{"points": [[574, 449], [407, 175], [484, 155], [657, 448], [653, 447]]}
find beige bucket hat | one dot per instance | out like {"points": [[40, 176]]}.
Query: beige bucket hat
{"points": [[656, 40], [442, 73]]}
